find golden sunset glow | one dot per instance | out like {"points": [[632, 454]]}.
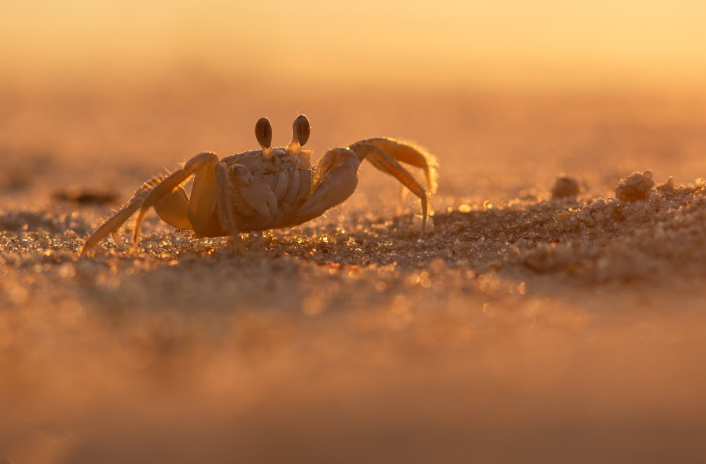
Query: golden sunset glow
{"points": [[626, 44]]}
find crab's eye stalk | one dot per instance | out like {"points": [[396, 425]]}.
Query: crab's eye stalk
{"points": [[300, 133], [263, 133], [302, 129]]}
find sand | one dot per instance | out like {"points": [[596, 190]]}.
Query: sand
{"points": [[553, 312]]}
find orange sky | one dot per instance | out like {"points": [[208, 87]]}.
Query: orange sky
{"points": [[655, 44]]}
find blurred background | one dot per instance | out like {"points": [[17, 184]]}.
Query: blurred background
{"points": [[628, 45]]}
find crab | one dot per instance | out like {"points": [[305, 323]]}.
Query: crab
{"points": [[269, 188]]}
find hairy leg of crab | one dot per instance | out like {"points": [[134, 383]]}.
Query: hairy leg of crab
{"points": [[114, 222], [382, 160], [172, 208], [334, 181], [202, 203]]}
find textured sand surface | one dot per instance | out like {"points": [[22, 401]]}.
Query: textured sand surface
{"points": [[533, 323]]}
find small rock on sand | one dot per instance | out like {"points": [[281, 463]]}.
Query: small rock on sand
{"points": [[636, 187], [565, 187]]}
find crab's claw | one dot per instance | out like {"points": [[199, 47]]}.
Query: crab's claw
{"points": [[335, 180], [387, 156]]}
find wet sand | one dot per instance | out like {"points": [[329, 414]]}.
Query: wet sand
{"points": [[521, 328]]}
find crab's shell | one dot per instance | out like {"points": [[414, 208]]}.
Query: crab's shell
{"points": [[288, 177]]}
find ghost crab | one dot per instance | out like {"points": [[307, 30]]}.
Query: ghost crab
{"points": [[269, 188]]}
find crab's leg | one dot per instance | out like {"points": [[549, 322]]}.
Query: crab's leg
{"points": [[113, 223], [172, 208], [203, 196], [204, 193], [386, 163]]}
